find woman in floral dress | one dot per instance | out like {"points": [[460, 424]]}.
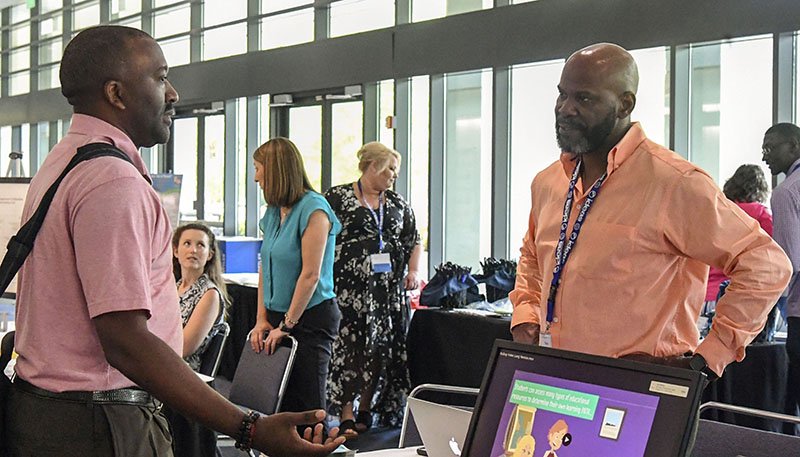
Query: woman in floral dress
{"points": [[377, 259]]}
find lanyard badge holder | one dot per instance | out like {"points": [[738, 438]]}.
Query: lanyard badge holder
{"points": [[381, 262], [562, 250]]}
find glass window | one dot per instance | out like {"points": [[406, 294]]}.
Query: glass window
{"points": [[19, 83], [225, 41], [515, 2], [46, 6], [135, 22], [20, 59], [305, 125], [273, 6], [423, 10], [48, 77], [214, 198], [386, 109], [287, 29], [348, 16], [346, 138], [184, 134], [419, 126], [157, 3], [5, 147], [123, 8], [50, 26], [243, 163], [652, 98], [21, 35], [20, 13], [43, 141], [50, 51], [86, 16], [468, 167], [172, 22], [730, 104], [177, 51], [223, 11], [533, 139]]}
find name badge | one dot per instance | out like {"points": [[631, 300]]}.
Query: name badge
{"points": [[546, 340], [381, 263]]}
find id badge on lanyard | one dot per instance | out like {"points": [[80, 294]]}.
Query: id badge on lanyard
{"points": [[382, 261], [565, 245]]}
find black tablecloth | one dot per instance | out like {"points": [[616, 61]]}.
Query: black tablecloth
{"points": [[451, 348]]}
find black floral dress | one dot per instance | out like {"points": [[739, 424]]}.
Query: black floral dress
{"points": [[372, 335], [189, 301]]}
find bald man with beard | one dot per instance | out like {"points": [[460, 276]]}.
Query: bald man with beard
{"points": [[621, 233]]}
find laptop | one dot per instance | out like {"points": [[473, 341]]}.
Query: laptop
{"points": [[441, 427], [544, 402]]}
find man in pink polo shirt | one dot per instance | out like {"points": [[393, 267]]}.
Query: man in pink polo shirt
{"points": [[621, 233], [98, 322]]}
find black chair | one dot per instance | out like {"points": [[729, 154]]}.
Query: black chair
{"points": [[260, 380], [209, 363], [718, 439]]}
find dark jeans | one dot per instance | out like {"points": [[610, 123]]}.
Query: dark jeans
{"points": [[318, 327], [793, 380], [46, 427]]}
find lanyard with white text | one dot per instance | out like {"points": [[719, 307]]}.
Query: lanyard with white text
{"points": [[562, 252], [377, 217]]}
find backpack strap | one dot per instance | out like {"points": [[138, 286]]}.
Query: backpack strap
{"points": [[21, 244]]}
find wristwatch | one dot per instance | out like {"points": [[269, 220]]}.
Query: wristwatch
{"points": [[698, 363], [285, 328]]}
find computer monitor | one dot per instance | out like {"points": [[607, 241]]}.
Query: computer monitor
{"points": [[543, 402]]}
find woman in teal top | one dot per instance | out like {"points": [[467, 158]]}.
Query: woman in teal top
{"points": [[295, 284]]}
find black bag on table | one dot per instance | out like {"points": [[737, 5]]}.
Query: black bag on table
{"points": [[499, 275], [21, 244], [448, 287]]}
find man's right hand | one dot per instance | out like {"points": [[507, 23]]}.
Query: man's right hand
{"points": [[277, 436], [526, 333]]}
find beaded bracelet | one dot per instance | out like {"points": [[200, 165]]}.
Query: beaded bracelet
{"points": [[290, 320], [247, 431]]}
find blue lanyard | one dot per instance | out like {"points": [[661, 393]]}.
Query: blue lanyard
{"points": [[377, 217], [562, 252], [792, 170]]}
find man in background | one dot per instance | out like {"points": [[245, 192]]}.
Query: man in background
{"points": [[620, 234], [781, 152], [98, 323]]}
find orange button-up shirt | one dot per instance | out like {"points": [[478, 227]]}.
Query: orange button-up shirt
{"points": [[635, 279]]}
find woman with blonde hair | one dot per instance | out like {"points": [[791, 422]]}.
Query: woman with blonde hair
{"points": [[295, 283], [377, 259]]}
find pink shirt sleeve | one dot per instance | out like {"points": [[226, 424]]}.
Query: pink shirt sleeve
{"points": [[527, 293]]}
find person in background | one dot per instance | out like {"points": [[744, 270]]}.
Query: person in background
{"points": [[202, 293], [98, 322], [201, 289], [295, 283], [747, 188], [781, 152], [377, 260]]}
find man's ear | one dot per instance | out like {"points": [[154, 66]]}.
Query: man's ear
{"points": [[627, 103], [113, 93]]}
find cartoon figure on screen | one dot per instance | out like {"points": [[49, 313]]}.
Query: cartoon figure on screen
{"points": [[526, 446], [520, 425], [556, 437]]}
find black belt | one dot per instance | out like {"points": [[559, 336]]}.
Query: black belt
{"points": [[130, 396]]}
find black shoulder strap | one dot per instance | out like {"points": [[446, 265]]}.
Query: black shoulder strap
{"points": [[21, 244]]}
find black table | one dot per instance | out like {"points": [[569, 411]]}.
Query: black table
{"points": [[452, 348]]}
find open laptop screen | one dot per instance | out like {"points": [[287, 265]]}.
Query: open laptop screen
{"points": [[540, 402]]}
